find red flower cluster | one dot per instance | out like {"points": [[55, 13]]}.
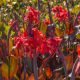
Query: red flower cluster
{"points": [[53, 44], [20, 39], [50, 45], [39, 42], [29, 43], [31, 15], [60, 13]]}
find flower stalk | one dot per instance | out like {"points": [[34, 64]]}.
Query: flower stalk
{"points": [[49, 12], [35, 67]]}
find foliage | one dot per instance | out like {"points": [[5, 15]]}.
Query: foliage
{"points": [[39, 39]]}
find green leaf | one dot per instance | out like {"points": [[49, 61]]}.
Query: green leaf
{"points": [[43, 1], [76, 9], [6, 28], [78, 36], [0, 33]]}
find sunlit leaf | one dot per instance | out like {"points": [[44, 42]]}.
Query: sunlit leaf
{"points": [[6, 28], [75, 9], [69, 62], [8, 0], [22, 29], [58, 32], [12, 33], [1, 23], [43, 28], [78, 36], [48, 72], [16, 77], [22, 76], [0, 33], [31, 77], [2, 2], [10, 44], [43, 1], [13, 67]]}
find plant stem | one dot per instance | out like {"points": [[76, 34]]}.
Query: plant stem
{"points": [[8, 51], [35, 68], [24, 60], [61, 56], [39, 8], [0, 70], [70, 22], [9, 68], [73, 69], [49, 11], [29, 28], [8, 36], [67, 5]]}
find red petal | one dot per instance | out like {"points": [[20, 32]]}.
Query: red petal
{"points": [[78, 49]]}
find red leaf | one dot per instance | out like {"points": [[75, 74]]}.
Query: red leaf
{"points": [[78, 50]]}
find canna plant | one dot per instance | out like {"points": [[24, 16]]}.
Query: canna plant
{"points": [[38, 43], [38, 38]]}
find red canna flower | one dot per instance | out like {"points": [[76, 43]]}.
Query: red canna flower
{"points": [[60, 13], [31, 15], [78, 50], [20, 39], [38, 41], [53, 44], [43, 48], [38, 37], [30, 43], [49, 45], [58, 40]]}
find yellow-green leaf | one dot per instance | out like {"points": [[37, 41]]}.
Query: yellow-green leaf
{"points": [[43, 28], [10, 44], [78, 36]]}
